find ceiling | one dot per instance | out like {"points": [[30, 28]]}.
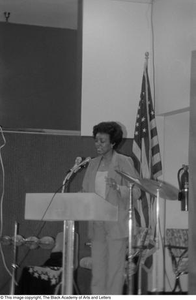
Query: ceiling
{"points": [[51, 13]]}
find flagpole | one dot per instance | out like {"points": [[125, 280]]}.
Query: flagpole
{"points": [[154, 270], [148, 161], [155, 257]]}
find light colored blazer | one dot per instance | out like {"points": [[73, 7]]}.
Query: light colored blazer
{"points": [[120, 199]]}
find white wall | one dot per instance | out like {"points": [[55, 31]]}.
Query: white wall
{"points": [[175, 154], [116, 35], [175, 38]]}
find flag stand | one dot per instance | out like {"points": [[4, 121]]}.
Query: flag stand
{"points": [[130, 285], [157, 239], [130, 281]]}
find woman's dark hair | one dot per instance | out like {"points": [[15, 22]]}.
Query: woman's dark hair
{"points": [[113, 129]]}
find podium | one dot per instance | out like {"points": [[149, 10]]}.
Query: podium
{"points": [[68, 207]]}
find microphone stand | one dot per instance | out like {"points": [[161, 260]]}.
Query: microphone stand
{"points": [[68, 239], [68, 248], [14, 265]]}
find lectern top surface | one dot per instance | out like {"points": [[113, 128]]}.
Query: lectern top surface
{"points": [[69, 206]]}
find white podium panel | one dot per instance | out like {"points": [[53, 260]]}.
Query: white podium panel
{"points": [[68, 206]]}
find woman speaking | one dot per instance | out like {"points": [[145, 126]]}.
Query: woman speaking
{"points": [[109, 239]]}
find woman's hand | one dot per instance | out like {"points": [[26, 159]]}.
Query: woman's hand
{"points": [[112, 183]]}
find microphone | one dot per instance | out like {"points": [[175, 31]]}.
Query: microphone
{"points": [[70, 172], [78, 160], [85, 161], [82, 164], [79, 163]]}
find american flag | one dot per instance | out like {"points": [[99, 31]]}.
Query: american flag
{"points": [[146, 151]]}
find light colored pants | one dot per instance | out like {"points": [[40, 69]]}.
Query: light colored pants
{"points": [[108, 263]]}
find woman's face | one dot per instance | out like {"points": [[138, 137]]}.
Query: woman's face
{"points": [[102, 143]]}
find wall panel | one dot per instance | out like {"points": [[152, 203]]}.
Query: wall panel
{"points": [[40, 77]]}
